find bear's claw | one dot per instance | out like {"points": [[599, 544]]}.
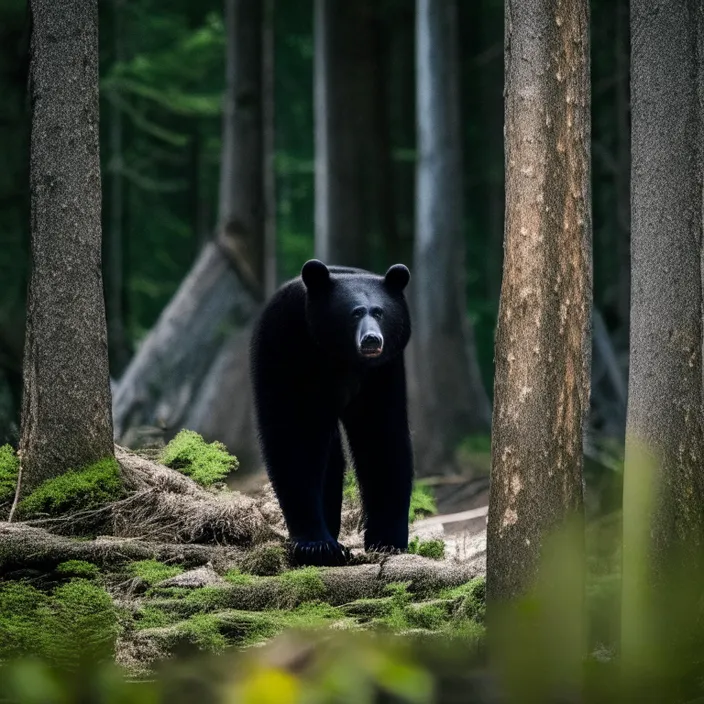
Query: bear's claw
{"points": [[319, 553]]}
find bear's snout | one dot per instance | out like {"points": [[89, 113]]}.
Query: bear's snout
{"points": [[371, 344]]}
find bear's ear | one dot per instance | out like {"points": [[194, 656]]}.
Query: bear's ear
{"points": [[315, 275], [397, 277]]}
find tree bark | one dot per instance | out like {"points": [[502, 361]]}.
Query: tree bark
{"points": [[242, 168], [343, 120], [665, 384], [452, 400], [270, 272], [543, 350], [66, 422]]}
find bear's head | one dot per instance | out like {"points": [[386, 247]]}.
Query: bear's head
{"points": [[356, 316]]}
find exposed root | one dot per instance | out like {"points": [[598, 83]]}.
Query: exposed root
{"points": [[23, 546]]}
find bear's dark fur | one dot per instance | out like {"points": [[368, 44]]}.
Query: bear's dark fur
{"points": [[328, 347]]}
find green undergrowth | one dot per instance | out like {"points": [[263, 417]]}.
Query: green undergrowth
{"points": [[205, 463], [152, 572], [74, 622], [9, 469], [184, 615], [422, 498], [76, 490], [78, 568]]}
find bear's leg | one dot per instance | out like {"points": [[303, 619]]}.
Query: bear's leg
{"points": [[296, 454], [377, 428], [334, 478]]}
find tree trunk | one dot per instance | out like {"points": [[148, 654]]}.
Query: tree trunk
{"points": [[269, 146], [452, 401], [665, 385], [242, 168], [118, 347], [343, 120], [543, 350], [168, 369], [182, 375], [66, 422]]}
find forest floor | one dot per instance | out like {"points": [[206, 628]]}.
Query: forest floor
{"points": [[153, 561]]}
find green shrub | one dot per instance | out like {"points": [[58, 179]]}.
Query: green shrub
{"points": [[205, 463]]}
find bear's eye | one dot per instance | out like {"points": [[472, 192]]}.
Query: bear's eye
{"points": [[358, 313], [377, 313]]}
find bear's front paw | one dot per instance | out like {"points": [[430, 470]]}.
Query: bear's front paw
{"points": [[319, 553]]}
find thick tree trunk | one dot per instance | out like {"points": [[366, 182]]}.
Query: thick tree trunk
{"points": [[451, 398], [66, 420], [269, 146], [118, 347], [242, 169], [665, 379], [343, 120], [169, 368], [182, 375], [541, 390]]}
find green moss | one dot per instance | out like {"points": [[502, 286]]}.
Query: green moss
{"points": [[153, 617], [265, 561], [429, 616], [152, 572], [422, 503], [206, 463], [434, 549], [78, 568], [207, 599], [203, 630], [9, 468], [91, 487], [75, 623], [303, 584], [235, 576], [471, 599]]}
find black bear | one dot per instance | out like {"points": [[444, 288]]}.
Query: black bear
{"points": [[328, 347]]}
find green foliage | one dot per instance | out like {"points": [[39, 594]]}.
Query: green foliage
{"points": [[206, 463], [434, 549], [74, 623], [236, 576], [203, 630], [9, 468], [78, 568], [88, 488], [152, 571], [473, 599]]}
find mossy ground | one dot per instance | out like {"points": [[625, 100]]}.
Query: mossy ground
{"points": [[206, 463], [9, 468], [77, 490]]}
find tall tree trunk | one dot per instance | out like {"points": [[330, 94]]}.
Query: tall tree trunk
{"points": [[269, 149], [66, 420], [452, 400], [187, 366], [623, 166], [664, 423], [343, 120], [242, 168], [542, 382], [118, 346]]}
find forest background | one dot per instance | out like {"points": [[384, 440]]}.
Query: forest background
{"points": [[163, 78]]}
